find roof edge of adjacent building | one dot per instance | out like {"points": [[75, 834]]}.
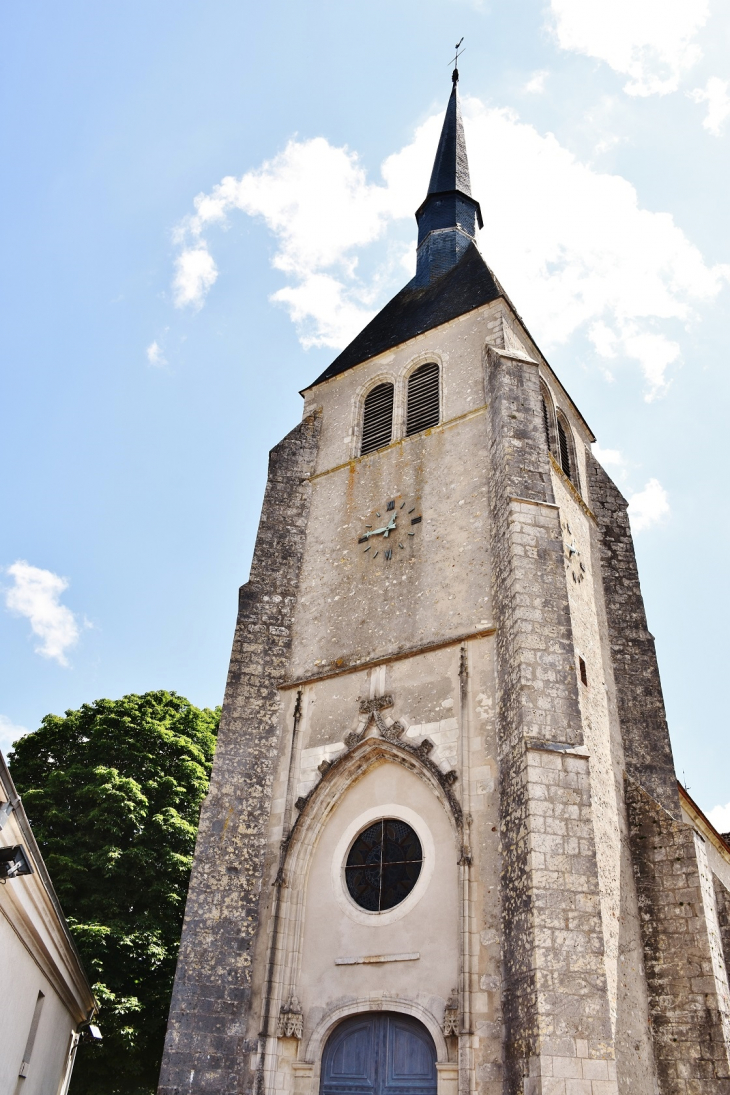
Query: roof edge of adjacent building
{"points": [[11, 795], [704, 825]]}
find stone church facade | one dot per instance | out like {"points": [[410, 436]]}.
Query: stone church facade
{"points": [[443, 849]]}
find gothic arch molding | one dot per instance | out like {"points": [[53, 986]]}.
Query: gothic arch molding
{"points": [[349, 766]]}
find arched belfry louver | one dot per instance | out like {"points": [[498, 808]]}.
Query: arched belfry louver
{"points": [[548, 417], [423, 398], [377, 419], [546, 422], [566, 454]]}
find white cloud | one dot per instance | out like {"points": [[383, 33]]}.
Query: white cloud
{"points": [[9, 732], [719, 816], [650, 41], [572, 245], [649, 506], [319, 205], [324, 312], [195, 273], [536, 84], [715, 94], [608, 457], [155, 356], [605, 144], [35, 595]]}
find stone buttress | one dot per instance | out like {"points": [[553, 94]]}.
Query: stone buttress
{"points": [[212, 995]]}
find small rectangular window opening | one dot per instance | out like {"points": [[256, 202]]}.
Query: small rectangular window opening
{"points": [[583, 673], [28, 1051]]}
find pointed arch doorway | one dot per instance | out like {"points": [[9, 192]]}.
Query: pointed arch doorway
{"points": [[379, 1053]]}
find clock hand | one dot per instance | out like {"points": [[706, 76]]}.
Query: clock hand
{"points": [[381, 531]]}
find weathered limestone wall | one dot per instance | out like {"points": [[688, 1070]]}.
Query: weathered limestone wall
{"points": [[722, 904], [356, 606], [204, 1049], [619, 907], [687, 1013], [644, 730], [713, 858], [578, 529], [554, 989], [686, 998]]}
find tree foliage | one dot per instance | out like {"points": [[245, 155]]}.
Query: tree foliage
{"points": [[113, 792]]}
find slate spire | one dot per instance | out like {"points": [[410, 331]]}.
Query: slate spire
{"points": [[451, 167], [448, 218]]}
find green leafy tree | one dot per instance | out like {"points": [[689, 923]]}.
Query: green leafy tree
{"points": [[113, 792]]}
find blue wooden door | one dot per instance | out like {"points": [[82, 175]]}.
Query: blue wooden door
{"points": [[379, 1053]]}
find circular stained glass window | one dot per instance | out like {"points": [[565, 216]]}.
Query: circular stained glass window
{"points": [[383, 865]]}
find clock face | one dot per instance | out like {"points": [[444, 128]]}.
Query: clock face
{"points": [[390, 530], [573, 563]]}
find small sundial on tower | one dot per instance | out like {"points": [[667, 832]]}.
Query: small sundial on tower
{"points": [[390, 529]]}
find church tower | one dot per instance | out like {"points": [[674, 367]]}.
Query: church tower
{"points": [[443, 850]]}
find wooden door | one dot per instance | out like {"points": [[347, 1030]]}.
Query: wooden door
{"points": [[379, 1053]]}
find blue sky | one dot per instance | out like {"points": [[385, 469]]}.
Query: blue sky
{"points": [[203, 202]]}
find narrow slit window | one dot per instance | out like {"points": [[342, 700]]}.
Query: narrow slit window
{"points": [[583, 673], [377, 421], [423, 398], [565, 461]]}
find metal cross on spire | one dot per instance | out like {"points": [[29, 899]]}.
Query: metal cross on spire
{"points": [[458, 53]]}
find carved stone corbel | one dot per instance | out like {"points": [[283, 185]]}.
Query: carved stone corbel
{"points": [[291, 1019], [451, 1017]]}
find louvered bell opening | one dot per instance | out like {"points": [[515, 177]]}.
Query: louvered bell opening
{"points": [[546, 422], [564, 450], [423, 398], [377, 421]]}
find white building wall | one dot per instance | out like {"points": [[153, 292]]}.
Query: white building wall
{"points": [[22, 980], [36, 955]]}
